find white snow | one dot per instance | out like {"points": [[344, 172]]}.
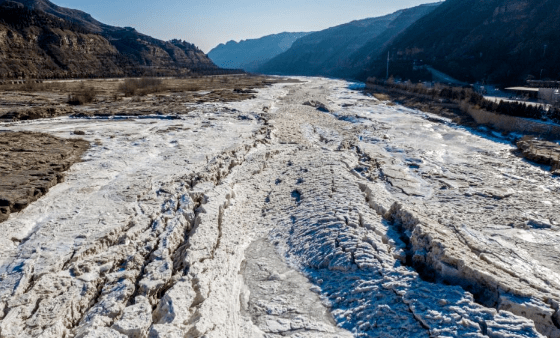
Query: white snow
{"points": [[267, 218]]}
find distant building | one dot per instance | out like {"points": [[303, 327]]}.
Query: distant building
{"points": [[550, 96], [543, 84], [524, 92], [547, 92]]}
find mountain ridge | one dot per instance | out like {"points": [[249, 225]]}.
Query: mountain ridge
{"points": [[250, 54], [331, 52], [494, 41], [43, 40]]}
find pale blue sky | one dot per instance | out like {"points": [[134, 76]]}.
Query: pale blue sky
{"points": [[208, 23]]}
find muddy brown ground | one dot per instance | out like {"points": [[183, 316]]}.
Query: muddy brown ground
{"points": [[32, 163], [447, 110], [50, 99]]}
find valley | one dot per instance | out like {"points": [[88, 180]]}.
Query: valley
{"points": [[308, 210], [334, 170]]}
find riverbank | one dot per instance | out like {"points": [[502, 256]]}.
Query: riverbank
{"points": [[542, 134]]}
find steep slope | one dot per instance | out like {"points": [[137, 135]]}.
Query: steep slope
{"points": [[322, 52], [498, 41], [372, 49], [40, 39], [251, 54], [38, 45], [72, 15]]}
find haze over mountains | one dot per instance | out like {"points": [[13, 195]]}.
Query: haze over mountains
{"points": [[337, 51], [493, 41], [253, 53], [42, 40]]}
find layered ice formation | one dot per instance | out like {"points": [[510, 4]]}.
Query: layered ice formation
{"points": [[271, 217]]}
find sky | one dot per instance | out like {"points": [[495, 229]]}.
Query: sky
{"points": [[211, 22]]}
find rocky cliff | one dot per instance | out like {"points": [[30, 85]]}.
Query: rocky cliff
{"points": [[253, 53], [41, 40], [375, 47]]}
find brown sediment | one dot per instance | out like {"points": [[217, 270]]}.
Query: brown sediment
{"points": [[32, 163], [542, 152], [112, 96]]}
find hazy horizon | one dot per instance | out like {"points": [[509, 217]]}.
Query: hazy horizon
{"points": [[211, 23]]}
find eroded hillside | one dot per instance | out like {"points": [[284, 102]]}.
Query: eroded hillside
{"points": [[41, 40]]}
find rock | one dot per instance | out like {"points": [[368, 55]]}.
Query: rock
{"points": [[136, 319], [37, 113], [538, 224], [32, 165], [102, 332], [540, 151], [5, 202], [165, 331], [316, 104]]}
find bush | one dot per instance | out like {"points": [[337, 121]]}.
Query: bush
{"points": [[32, 86], [141, 87], [82, 96]]}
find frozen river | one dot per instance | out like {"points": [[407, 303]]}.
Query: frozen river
{"points": [[272, 218]]}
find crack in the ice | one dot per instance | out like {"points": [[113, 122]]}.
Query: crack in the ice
{"points": [[482, 294]]}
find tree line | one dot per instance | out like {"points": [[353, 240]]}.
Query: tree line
{"points": [[478, 101]]}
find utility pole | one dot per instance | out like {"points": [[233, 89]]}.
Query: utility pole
{"points": [[388, 53]]}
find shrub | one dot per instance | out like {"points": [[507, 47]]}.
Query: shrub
{"points": [[82, 95], [141, 87], [32, 86]]}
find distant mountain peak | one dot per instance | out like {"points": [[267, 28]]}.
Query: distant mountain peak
{"points": [[250, 54]]}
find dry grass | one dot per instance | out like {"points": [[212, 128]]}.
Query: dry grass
{"points": [[381, 97], [141, 87], [510, 123], [106, 93], [82, 95], [108, 88], [33, 86]]}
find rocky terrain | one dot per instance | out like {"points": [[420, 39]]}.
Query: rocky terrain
{"points": [[345, 50], [311, 210], [540, 151], [41, 40], [252, 53], [164, 96], [31, 164]]}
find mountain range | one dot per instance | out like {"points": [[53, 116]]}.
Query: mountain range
{"points": [[496, 41], [493, 41], [39, 39], [342, 51], [252, 53]]}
